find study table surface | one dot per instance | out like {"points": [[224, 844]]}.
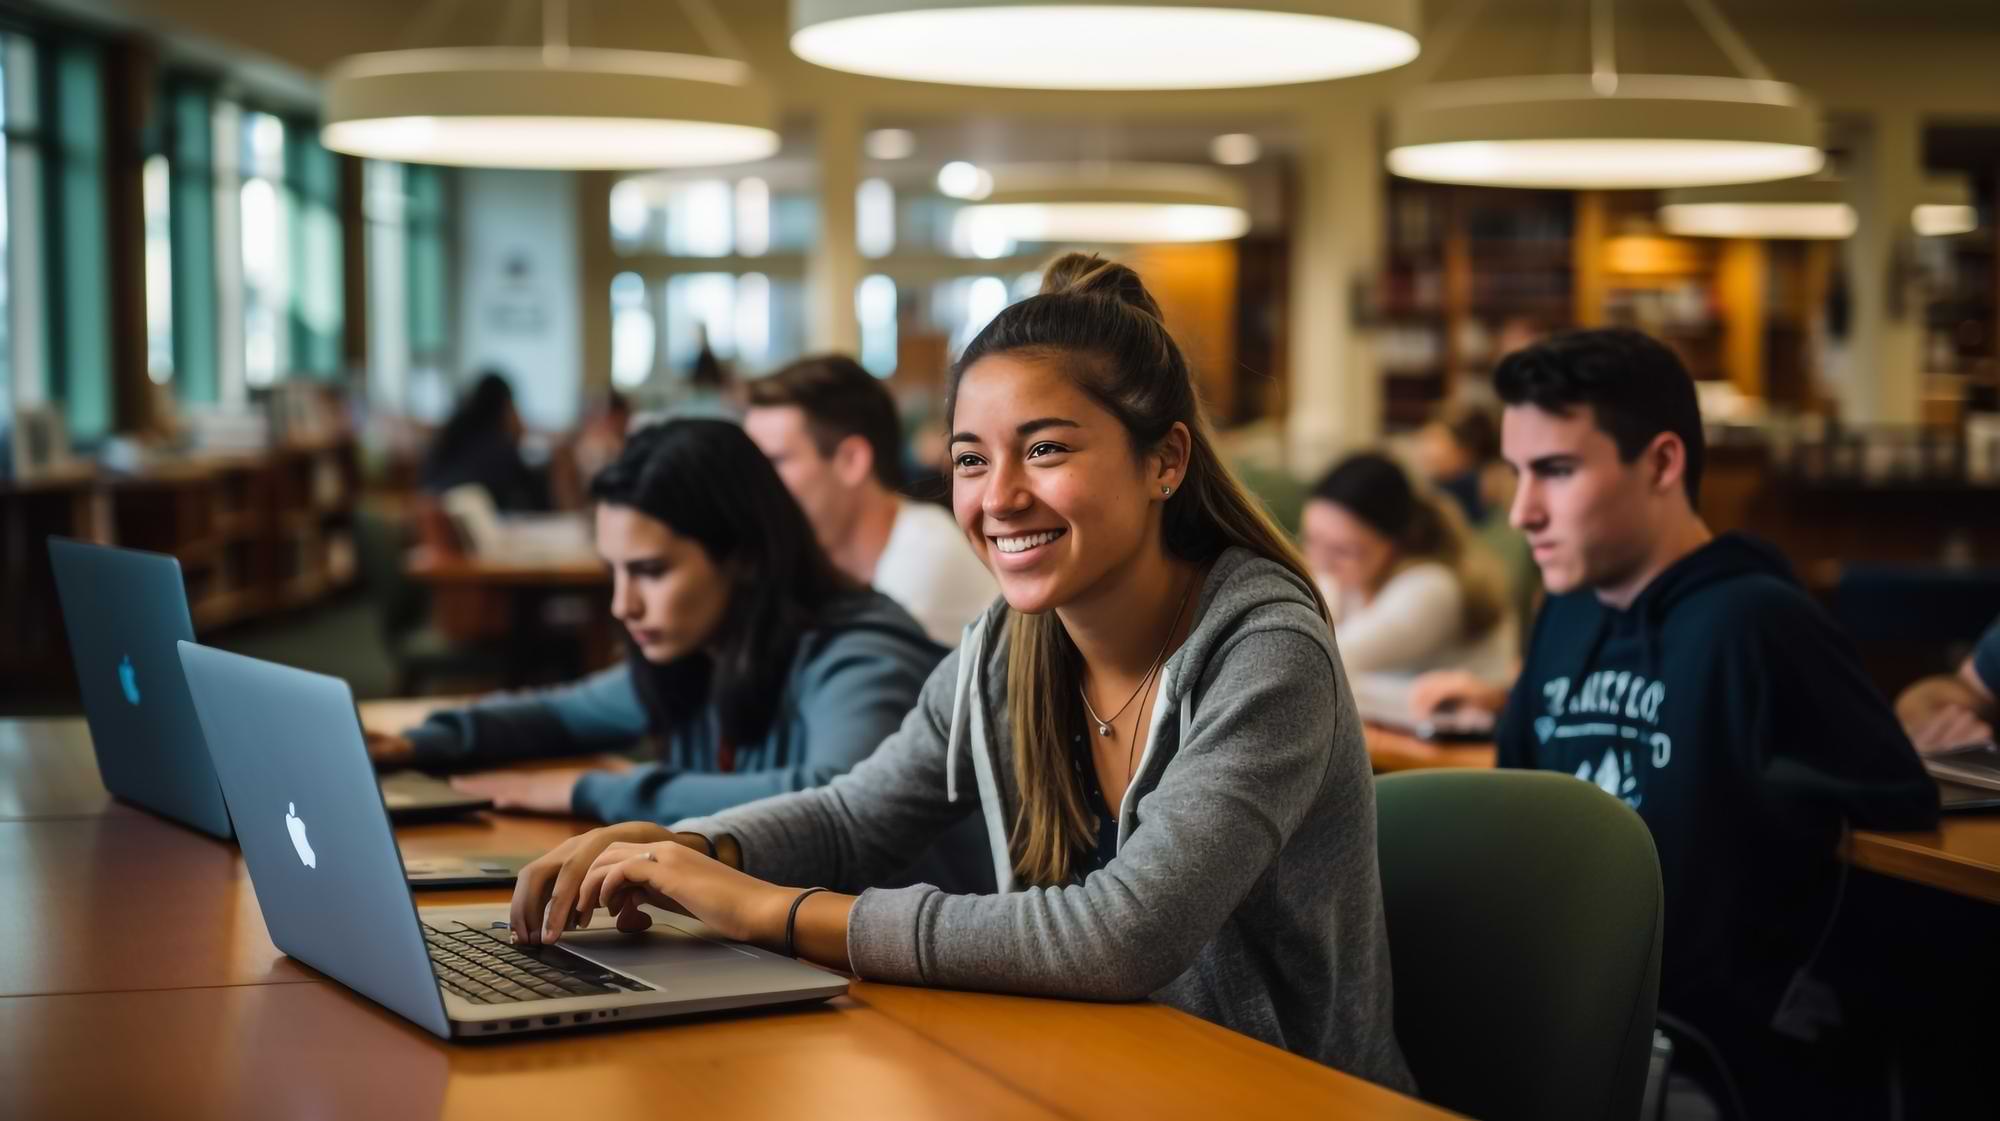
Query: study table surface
{"points": [[140, 981]]}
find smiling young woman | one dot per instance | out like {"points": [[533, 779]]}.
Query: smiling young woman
{"points": [[1153, 723]]}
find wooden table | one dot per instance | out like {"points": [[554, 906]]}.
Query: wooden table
{"points": [[1390, 751], [1962, 855], [139, 981]]}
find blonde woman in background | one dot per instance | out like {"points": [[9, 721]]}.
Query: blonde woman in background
{"points": [[1412, 591]]}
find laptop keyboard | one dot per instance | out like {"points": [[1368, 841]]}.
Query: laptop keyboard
{"points": [[486, 969]]}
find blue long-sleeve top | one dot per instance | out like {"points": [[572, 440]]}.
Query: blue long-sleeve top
{"points": [[851, 682]]}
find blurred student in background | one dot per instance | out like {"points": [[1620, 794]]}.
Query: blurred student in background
{"points": [[1411, 591], [830, 429], [1942, 713], [1459, 452], [481, 444]]}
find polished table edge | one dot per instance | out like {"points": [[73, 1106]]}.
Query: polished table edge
{"points": [[1926, 858]]}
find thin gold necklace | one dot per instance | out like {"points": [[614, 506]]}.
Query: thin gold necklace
{"points": [[1105, 727]]}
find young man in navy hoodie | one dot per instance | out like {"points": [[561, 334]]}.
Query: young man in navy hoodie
{"points": [[1690, 676]]}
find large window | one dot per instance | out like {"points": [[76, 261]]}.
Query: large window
{"points": [[682, 231], [16, 88], [243, 248], [53, 319], [188, 297], [409, 338], [289, 223]]}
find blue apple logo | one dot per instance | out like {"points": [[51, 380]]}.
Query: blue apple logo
{"points": [[128, 679]]}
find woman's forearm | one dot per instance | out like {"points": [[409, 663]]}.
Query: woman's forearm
{"points": [[820, 934]]}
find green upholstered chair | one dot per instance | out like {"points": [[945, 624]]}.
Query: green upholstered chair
{"points": [[1524, 913]]}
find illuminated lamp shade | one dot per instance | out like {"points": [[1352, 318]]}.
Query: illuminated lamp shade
{"points": [[1138, 203], [1791, 208], [529, 108], [1645, 130], [1106, 44], [1946, 208]]}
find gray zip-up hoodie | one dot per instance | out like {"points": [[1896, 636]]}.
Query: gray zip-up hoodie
{"points": [[1244, 889]]}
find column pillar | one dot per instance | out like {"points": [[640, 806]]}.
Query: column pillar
{"points": [[1334, 404], [1880, 380], [833, 269]]}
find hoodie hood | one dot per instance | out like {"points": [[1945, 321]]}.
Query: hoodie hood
{"points": [[1728, 557], [1724, 558], [1239, 583]]}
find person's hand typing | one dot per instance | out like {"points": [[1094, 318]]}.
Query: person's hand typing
{"points": [[388, 751], [1451, 690], [543, 791], [1950, 726], [545, 893]]}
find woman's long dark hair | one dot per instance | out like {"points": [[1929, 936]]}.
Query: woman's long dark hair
{"points": [[706, 481], [481, 414]]}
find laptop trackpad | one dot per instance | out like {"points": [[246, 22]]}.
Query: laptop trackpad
{"points": [[664, 948]]}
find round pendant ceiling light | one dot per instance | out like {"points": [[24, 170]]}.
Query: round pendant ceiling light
{"points": [[1129, 202], [1606, 130], [1106, 44], [1653, 130], [550, 107], [1946, 207], [1815, 208]]}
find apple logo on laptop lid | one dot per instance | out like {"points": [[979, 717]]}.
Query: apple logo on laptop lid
{"points": [[296, 826], [128, 679]]}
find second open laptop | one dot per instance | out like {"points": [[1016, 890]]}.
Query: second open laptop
{"points": [[327, 873], [124, 609]]}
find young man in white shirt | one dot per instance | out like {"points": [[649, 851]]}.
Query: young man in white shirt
{"points": [[830, 429]]}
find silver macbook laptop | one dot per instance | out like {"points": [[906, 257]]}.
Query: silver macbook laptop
{"points": [[124, 609], [1968, 777], [464, 871], [1383, 699], [328, 876]]}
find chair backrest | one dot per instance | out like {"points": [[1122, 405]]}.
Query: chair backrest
{"points": [[380, 547], [1892, 603], [1525, 919]]}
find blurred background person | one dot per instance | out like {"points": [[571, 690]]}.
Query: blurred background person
{"points": [[830, 429], [1411, 591], [480, 443], [1458, 452]]}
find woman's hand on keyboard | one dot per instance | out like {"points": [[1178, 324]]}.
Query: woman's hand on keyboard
{"points": [[677, 877], [545, 893]]}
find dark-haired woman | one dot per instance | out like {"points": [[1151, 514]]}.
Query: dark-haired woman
{"points": [[1152, 729], [1411, 590], [481, 443], [754, 662]]}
